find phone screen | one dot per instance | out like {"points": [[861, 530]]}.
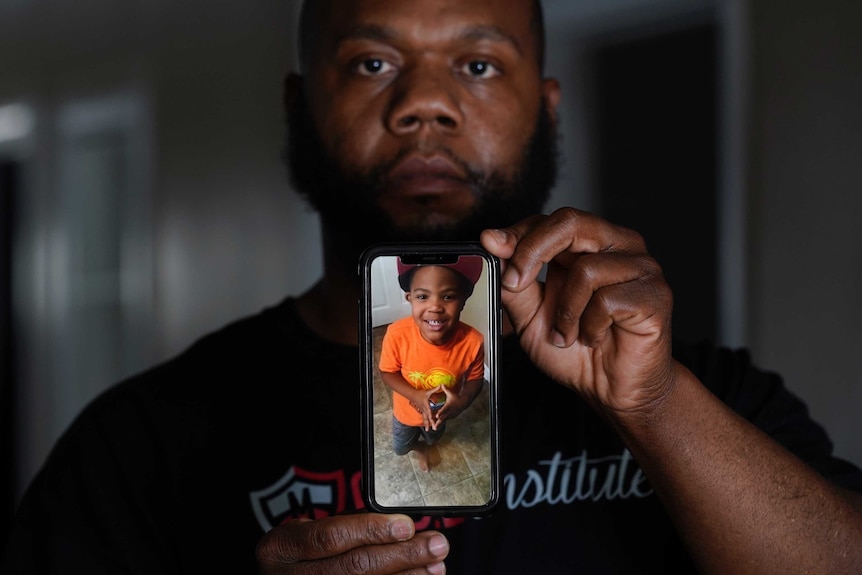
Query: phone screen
{"points": [[430, 324]]}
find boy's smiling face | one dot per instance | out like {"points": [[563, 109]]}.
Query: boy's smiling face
{"points": [[436, 298]]}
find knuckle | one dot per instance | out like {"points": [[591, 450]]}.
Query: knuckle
{"points": [[413, 551], [565, 316], [568, 220], [566, 213], [650, 265], [607, 301], [583, 272], [328, 538], [516, 232], [633, 241], [276, 548], [358, 561], [663, 293]]}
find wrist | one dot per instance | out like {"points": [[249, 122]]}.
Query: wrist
{"points": [[657, 401]]}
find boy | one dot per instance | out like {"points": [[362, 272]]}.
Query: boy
{"points": [[432, 360]]}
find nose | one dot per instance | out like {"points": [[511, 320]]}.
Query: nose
{"points": [[425, 99]]}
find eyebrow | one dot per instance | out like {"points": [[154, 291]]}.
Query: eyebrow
{"points": [[477, 33], [367, 32], [492, 33]]}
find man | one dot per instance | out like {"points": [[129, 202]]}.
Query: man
{"points": [[430, 119]]}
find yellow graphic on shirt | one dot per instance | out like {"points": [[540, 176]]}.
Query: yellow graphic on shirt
{"points": [[434, 377]]}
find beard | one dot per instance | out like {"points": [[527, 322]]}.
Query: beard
{"points": [[348, 202]]}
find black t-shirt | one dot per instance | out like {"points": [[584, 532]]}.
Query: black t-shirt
{"points": [[184, 467]]}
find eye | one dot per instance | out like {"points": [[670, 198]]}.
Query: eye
{"points": [[373, 67], [481, 69]]}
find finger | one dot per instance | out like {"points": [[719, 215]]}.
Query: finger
{"points": [[307, 540], [443, 413], [520, 308], [502, 242], [561, 235], [577, 290], [423, 553], [427, 414], [641, 307], [416, 555]]}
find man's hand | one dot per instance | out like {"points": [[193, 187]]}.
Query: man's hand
{"points": [[365, 543], [600, 323]]}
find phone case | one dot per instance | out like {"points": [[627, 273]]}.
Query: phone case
{"points": [[411, 334]]}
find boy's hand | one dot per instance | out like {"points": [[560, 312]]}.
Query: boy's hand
{"points": [[459, 398], [421, 401], [448, 410]]}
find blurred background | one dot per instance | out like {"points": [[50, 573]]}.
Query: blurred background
{"points": [[143, 201]]}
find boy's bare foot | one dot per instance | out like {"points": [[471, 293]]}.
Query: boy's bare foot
{"points": [[422, 458], [427, 457]]}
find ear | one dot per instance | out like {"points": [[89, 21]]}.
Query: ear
{"points": [[407, 296], [293, 85], [551, 97]]}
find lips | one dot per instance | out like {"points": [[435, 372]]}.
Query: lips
{"points": [[435, 324], [427, 192], [424, 175]]}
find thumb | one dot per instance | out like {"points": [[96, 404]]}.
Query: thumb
{"points": [[524, 307]]}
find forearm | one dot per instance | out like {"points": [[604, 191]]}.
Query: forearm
{"points": [[471, 390], [742, 502]]}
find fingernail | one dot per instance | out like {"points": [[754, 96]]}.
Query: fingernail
{"points": [[438, 546], [511, 278], [401, 529], [437, 569], [500, 236], [557, 339]]}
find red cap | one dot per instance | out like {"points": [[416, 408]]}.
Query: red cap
{"points": [[468, 266]]}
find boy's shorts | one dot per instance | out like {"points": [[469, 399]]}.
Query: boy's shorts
{"points": [[404, 437]]}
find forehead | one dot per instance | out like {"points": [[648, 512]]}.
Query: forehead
{"points": [[422, 20]]}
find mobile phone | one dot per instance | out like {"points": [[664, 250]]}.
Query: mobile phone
{"points": [[430, 319]]}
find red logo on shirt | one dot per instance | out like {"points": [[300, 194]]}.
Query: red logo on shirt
{"points": [[303, 494]]}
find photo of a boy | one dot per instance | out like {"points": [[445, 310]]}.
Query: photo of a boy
{"points": [[431, 360]]}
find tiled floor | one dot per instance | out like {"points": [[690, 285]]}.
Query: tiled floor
{"points": [[460, 472]]}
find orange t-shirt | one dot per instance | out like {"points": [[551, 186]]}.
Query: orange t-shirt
{"points": [[424, 365]]}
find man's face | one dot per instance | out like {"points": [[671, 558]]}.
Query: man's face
{"points": [[436, 300], [424, 119]]}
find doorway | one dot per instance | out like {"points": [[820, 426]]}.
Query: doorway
{"points": [[657, 145]]}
